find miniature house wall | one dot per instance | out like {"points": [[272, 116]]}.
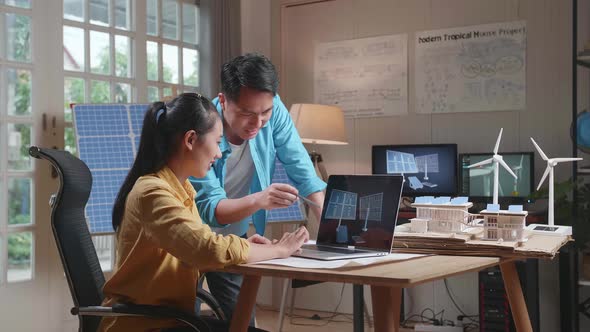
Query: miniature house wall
{"points": [[505, 225], [449, 217]]}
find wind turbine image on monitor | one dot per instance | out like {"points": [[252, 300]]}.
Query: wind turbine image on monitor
{"points": [[497, 160], [551, 162]]}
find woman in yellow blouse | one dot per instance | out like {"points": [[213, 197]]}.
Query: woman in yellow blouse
{"points": [[161, 242]]}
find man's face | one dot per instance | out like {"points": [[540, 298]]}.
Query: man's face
{"points": [[247, 115]]}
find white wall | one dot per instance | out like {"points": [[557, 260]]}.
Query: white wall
{"points": [[255, 23], [547, 116]]}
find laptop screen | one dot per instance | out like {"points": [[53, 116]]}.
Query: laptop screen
{"points": [[360, 211]]}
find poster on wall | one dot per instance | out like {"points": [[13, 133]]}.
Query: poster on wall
{"points": [[471, 69], [366, 77]]}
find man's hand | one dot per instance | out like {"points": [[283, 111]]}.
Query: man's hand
{"points": [[277, 195]]}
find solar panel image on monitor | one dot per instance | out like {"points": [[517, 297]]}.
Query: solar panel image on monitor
{"points": [[478, 182], [342, 205], [429, 169], [400, 163], [427, 163], [107, 138]]}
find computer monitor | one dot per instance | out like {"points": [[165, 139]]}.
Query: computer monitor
{"points": [[429, 169], [478, 182]]}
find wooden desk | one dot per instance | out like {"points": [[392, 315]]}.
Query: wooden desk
{"points": [[386, 281]]}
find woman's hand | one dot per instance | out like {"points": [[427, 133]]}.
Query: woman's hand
{"points": [[291, 243], [262, 248], [256, 238]]}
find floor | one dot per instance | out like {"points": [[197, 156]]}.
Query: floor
{"points": [[268, 318]]}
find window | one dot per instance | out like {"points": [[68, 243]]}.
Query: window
{"points": [[98, 64], [17, 224], [98, 58], [172, 47], [101, 60]]}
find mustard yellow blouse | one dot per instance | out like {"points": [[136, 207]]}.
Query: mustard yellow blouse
{"points": [[161, 246]]}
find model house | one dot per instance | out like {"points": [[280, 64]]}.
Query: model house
{"points": [[507, 225], [441, 214]]}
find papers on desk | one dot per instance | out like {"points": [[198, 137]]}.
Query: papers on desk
{"points": [[306, 263]]}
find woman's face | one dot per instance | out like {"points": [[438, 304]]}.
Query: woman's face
{"points": [[206, 150]]}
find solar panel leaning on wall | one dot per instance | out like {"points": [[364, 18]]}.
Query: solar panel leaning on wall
{"points": [[107, 138]]}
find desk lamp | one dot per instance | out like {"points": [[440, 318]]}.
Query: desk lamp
{"points": [[319, 124]]}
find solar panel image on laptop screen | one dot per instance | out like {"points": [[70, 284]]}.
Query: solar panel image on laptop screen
{"points": [[360, 211]]}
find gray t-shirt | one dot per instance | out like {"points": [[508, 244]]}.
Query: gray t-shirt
{"points": [[238, 177]]}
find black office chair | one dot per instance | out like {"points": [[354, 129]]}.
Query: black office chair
{"points": [[78, 256]]}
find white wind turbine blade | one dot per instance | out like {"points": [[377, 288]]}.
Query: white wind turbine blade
{"points": [[544, 176], [521, 160], [498, 141], [507, 168], [560, 160], [539, 150], [481, 163]]}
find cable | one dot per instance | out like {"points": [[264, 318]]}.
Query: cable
{"points": [[456, 305], [329, 318]]}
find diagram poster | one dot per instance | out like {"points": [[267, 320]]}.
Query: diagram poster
{"points": [[366, 77], [471, 69]]}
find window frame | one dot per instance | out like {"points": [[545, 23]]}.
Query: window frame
{"points": [[5, 119]]}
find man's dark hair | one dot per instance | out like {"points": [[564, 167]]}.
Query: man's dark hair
{"points": [[251, 70]]}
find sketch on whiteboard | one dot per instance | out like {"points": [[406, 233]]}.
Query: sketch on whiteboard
{"points": [[471, 69], [365, 77]]}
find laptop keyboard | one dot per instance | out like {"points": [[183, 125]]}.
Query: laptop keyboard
{"points": [[334, 250]]}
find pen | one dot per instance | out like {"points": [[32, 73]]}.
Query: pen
{"points": [[309, 202]]}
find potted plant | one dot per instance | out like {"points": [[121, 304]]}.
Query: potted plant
{"points": [[564, 214]]}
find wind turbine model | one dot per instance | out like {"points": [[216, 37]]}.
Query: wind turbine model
{"points": [[551, 228], [496, 159], [518, 170]]}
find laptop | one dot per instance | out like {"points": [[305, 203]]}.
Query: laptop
{"points": [[358, 218]]}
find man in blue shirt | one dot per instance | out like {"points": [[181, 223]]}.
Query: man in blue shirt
{"points": [[257, 129]]}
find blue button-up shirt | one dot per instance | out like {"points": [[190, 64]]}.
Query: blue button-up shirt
{"points": [[277, 138]]}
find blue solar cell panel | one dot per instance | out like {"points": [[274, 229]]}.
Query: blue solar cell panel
{"points": [[107, 137], [291, 213], [136, 114], [111, 120], [105, 186], [103, 152]]}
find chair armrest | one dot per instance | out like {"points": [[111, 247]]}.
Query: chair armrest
{"points": [[209, 300], [153, 311]]}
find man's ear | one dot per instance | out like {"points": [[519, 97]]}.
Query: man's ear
{"points": [[221, 97]]}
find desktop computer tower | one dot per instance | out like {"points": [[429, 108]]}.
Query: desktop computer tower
{"points": [[494, 308]]}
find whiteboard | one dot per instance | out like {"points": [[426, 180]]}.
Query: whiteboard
{"points": [[366, 77], [471, 69]]}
